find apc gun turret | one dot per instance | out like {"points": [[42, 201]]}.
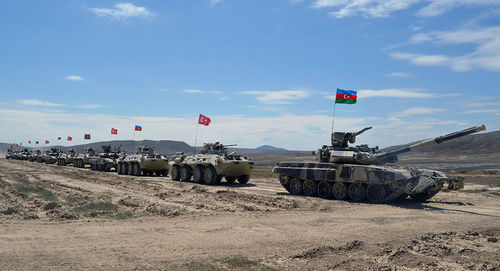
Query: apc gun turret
{"points": [[344, 171]]}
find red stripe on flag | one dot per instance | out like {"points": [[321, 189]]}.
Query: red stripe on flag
{"points": [[346, 97]]}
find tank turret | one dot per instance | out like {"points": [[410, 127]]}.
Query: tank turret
{"points": [[341, 152]]}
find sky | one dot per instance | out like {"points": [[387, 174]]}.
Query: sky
{"points": [[264, 71]]}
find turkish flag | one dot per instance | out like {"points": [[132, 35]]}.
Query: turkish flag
{"points": [[114, 131], [29, 142], [204, 120], [47, 142], [70, 138]]}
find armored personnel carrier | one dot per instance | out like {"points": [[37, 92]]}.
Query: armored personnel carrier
{"points": [[358, 173], [82, 159], [144, 162], [24, 154], [50, 157], [106, 160], [211, 165], [66, 158]]}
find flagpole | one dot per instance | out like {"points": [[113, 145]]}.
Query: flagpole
{"points": [[196, 137], [133, 140], [333, 115]]}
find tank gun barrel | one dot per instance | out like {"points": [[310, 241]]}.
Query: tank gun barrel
{"points": [[385, 156], [362, 131]]}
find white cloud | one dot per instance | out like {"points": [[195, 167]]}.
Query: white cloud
{"points": [[481, 104], [278, 97], [485, 55], [215, 2], [416, 111], [400, 74], [75, 78], [193, 91], [395, 93], [482, 111], [122, 11], [34, 102], [384, 8]]}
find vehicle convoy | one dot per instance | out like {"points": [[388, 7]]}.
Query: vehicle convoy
{"points": [[211, 165], [82, 159], [66, 158], [144, 162], [358, 173], [50, 157], [106, 160]]}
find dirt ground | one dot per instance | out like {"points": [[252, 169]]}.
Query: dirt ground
{"points": [[59, 218]]}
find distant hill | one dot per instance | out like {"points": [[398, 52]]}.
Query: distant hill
{"points": [[270, 148]]}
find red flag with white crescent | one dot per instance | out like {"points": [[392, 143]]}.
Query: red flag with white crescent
{"points": [[114, 131], [204, 120]]}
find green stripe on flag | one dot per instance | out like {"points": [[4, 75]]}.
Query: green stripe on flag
{"points": [[345, 101]]}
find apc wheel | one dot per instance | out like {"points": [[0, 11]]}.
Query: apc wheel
{"points": [[210, 175], [198, 174], [186, 174], [243, 179], [357, 192], [136, 169], [339, 191], [309, 188], [296, 186], [119, 168], [230, 179], [164, 172], [176, 173], [375, 193], [158, 173], [324, 189]]}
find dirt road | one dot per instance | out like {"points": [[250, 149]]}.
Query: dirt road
{"points": [[67, 218]]}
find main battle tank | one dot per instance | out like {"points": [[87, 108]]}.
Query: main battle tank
{"points": [[35, 156], [144, 162], [23, 154], [210, 165], [106, 160], [50, 157], [360, 173], [82, 159], [66, 158]]}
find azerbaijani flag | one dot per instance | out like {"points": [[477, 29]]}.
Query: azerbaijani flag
{"points": [[87, 136], [346, 96], [138, 128]]}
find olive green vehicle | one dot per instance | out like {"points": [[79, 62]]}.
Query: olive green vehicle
{"points": [[35, 155], [211, 165], [82, 159], [358, 173], [106, 160], [50, 157], [66, 158], [9, 154], [144, 162]]}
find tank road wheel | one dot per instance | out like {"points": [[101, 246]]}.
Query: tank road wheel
{"points": [[339, 191], [186, 173], [243, 179], [176, 173], [309, 188], [357, 192], [164, 172], [296, 186], [324, 190], [285, 182], [230, 180], [375, 193], [210, 175], [198, 174]]}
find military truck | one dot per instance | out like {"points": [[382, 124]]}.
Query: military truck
{"points": [[211, 165], [66, 158], [358, 173], [106, 160], [82, 159], [144, 162]]}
